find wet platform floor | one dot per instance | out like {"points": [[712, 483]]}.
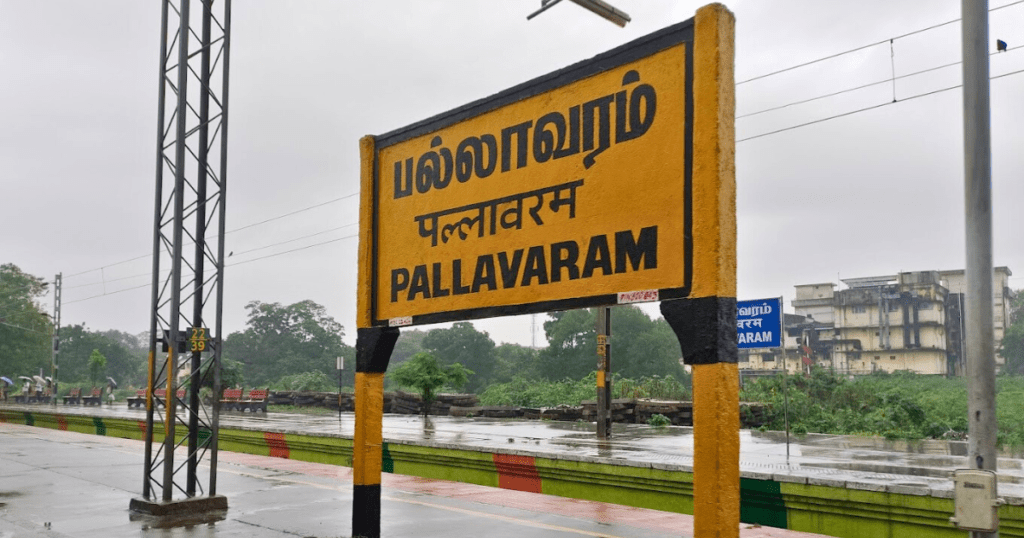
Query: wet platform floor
{"points": [[62, 484], [919, 468]]}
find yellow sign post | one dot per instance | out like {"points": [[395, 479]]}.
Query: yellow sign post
{"points": [[608, 182]]}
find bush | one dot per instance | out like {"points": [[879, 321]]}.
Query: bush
{"points": [[306, 382], [658, 420]]}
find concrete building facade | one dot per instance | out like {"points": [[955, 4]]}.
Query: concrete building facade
{"points": [[908, 321]]}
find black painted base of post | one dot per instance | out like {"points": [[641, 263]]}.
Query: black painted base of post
{"points": [[366, 511], [373, 352]]}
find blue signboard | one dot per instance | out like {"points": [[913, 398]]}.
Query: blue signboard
{"points": [[759, 323]]}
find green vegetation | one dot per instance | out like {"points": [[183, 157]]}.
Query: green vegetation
{"points": [[524, 392], [901, 405], [97, 367], [1012, 346], [25, 328], [658, 420], [307, 381], [125, 353], [281, 341], [302, 410], [423, 373]]}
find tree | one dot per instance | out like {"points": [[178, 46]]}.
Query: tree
{"points": [[409, 343], [640, 346], [512, 361], [1011, 348], [463, 344], [25, 329], [97, 367], [423, 373], [285, 340], [572, 345], [125, 353]]}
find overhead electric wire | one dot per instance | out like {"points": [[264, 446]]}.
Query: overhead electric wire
{"points": [[293, 250], [862, 47], [296, 239], [861, 87], [759, 77], [146, 285], [865, 109], [231, 254], [301, 210], [22, 328], [230, 265], [225, 233]]}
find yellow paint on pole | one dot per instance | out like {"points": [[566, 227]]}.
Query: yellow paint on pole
{"points": [[368, 439], [149, 381], [366, 234], [172, 389], [714, 154], [716, 450], [715, 386]]}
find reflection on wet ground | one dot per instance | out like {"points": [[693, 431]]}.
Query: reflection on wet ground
{"points": [[763, 454]]}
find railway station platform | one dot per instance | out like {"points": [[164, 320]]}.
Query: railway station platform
{"points": [[66, 484], [842, 486]]}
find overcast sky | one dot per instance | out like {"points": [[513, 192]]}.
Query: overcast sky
{"points": [[873, 192]]}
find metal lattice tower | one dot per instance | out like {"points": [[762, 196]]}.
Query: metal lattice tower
{"points": [[188, 260]]}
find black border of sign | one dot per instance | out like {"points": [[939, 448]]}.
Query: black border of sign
{"points": [[648, 45]]}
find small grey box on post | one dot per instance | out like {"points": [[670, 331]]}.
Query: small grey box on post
{"points": [[975, 503]]}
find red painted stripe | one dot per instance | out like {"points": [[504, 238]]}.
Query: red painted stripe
{"points": [[277, 445], [142, 426], [62, 423], [517, 472]]}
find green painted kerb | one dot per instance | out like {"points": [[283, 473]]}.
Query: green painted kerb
{"points": [[387, 464], [761, 503]]}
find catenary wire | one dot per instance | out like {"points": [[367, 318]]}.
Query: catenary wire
{"points": [[861, 87], [862, 47], [865, 109], [297, 211], [231, 265], [850, 113], [759, 77], [138, 275]]}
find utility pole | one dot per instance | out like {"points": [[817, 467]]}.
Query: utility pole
{"points": [[604, 368], [56, 332], [981, 367]]}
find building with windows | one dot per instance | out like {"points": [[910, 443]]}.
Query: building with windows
{"points": [[908, 321]]}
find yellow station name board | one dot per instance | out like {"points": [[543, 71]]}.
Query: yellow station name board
{"points": [[572, 190]]}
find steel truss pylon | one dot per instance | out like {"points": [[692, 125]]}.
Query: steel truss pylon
{"points": [[188, 262]]}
